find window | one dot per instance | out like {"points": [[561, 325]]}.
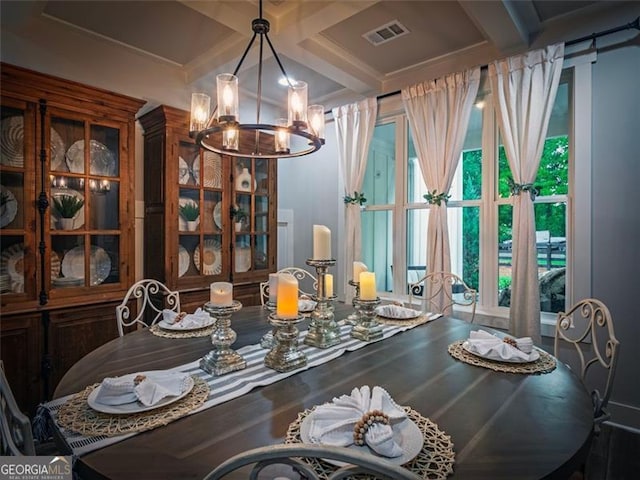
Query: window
{"points": [[479, 209]]}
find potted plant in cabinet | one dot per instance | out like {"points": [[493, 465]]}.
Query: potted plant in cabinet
{"points": [[190, 212], [239, 217], [67, 207]]}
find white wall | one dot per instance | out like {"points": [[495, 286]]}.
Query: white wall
{"points": [[615, 217]]}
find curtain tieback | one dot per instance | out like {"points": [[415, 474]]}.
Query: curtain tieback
{"points": [[435, 198], [516, 188], [357, 199]]}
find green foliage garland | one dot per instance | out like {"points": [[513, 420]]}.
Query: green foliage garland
{"points": [[357, 199], [67, 205]]}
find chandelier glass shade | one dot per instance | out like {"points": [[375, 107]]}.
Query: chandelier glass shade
{"points": [[221, 131]]}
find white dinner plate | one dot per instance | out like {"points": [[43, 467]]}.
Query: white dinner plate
{"points": [[9, 209], [182, 223], [78, 219], [243, 259], [217, 219], [212, 258], [183, 171], [99, 264], [533, 356], [102, 161], [12, 262], [163, 324], [184, 259], [12, 141], [306, 306], [406, 434], [136, 407]]}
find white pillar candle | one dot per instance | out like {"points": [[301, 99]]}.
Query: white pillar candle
{"points": [[328, 285], [321, 243], [221, 294], [358, 268], [273, 287], [368, 286], [287, 301]]}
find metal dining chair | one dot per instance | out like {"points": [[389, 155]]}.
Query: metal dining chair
{"points": [[15, 427], [587, 329], [293, 455], [440, 291], [307, 283], [150, 305]]}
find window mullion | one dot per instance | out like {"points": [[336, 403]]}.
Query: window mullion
{"points": [[399, 211]]}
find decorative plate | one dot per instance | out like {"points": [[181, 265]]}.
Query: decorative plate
{"points": [[212, 259], [78, 219], [183, 171], [136, 407], [217, 218], [12, 142], [102, 160], [212, 170], [99, 264], [184, 259], [55, 265], [57, 152], [182, 223], [533, 356], [406, 434], [12, 262], [243, 259], [9, 209]]}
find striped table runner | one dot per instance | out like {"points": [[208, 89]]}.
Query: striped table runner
{"points": [[230, 386]]}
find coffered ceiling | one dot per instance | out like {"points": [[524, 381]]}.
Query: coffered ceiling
{"points": [[322, 42]]}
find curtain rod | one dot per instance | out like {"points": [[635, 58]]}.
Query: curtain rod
{"points": [[635, 24]]}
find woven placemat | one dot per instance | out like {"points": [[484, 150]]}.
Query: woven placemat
{"points": [[435, 460], [76, 415], [545, 364], [201, 332]]}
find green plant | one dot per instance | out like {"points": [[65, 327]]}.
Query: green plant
{"points": [[238, 214], [190, 211], [435, 198], [357, 199], [67, 205]]}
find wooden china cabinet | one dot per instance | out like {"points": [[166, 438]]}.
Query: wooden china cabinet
{"points": [[66, 224], [208, 217]]}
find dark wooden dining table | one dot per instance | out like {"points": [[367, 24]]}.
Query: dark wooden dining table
{"points": [[503, 425]]}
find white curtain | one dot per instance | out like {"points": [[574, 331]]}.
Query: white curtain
{"points": [[524, 89], [438, 113], [354, 129]]}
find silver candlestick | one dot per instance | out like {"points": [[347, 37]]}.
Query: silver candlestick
{"points": [[352, 319], [285, 356], [222, 359], [367, 328], [268, 340], [323, 332]]}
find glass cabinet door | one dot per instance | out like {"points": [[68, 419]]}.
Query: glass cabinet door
{"points": [[250, 213], [16, 198], [84, 222], [201, 214]]}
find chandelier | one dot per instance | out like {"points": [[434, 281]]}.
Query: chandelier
{"points": [[221, 131]]}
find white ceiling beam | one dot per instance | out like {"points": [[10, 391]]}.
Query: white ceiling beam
{"points": [[499, 22]]}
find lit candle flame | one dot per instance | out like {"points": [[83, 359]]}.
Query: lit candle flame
{"points": [[227, 99]]}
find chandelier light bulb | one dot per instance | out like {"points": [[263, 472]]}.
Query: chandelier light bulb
{"points": [[298, 105], [316, 120], [200, 105], [230, 139], [227, 88], [282, 136]]}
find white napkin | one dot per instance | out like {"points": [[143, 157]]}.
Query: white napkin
{"points": [[333, 423], [396, 311], [197, 319], [155, 387], [489, 346], [306, 305]]}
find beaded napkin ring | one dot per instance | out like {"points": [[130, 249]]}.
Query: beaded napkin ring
{"points": [[510, 341], [366, 421]]}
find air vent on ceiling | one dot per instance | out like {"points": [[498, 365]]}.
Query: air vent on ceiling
{"points": [[386, 33]]}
